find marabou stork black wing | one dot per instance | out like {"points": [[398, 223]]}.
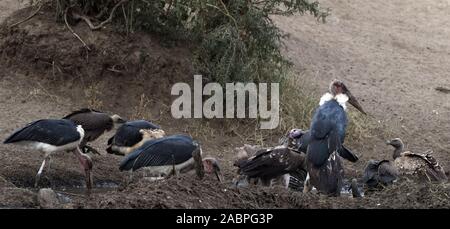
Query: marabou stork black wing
{"points": [[346, 153], [51, 131], [170, 150], [327, 132], [303, 142]]}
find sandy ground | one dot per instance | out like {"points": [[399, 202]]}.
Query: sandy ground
{"points": [[391, 54]]}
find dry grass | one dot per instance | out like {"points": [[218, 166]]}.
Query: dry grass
{"points": [[92, 95]]}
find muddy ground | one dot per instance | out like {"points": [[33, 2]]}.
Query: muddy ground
{"points": [[390, 60]]}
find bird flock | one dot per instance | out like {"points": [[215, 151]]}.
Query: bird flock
{"points": [[304, 160]]}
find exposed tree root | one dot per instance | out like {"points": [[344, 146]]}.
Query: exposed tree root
{"points": [[103, 23], [73, 32], [28, 18]]}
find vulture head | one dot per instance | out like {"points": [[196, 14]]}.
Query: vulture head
{"points": [[117, 120], [398, 144]]}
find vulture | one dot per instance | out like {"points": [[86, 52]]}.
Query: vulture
{"points": [[94, 123], [378, 173], [421, 165], [129, 137], [356, 193], [272, 163]]}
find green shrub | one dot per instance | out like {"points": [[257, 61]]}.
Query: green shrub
{"points": [[233, 40]]}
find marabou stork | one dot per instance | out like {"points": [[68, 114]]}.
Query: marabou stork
{"points": [[50, 136], [328, 126], [174, 154]]}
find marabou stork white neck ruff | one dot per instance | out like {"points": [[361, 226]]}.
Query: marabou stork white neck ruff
{"points": [[340, 98]]}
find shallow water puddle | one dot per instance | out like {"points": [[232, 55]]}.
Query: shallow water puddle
{"points": [[66, 194]]}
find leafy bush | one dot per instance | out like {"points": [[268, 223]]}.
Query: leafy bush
{"points": [[234, 40]]}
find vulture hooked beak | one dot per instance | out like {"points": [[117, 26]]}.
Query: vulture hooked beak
{"points": [[293, 137], [121, 121], [354, 102]]}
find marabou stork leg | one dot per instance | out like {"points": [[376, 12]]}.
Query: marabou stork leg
{"points": [[130, 176], [307, 185], [41, 169], [286, 179], [86, 164], [266, 182], [199, 168]]}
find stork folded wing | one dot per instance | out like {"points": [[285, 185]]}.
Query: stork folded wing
{"points": [[170, 150]]}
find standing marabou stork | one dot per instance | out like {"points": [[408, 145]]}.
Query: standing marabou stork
{"points": [[128, 137], [174, 154], [421, 165], [94, 123], [328, 126], [53, 135]]}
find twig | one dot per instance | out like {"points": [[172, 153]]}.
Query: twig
{"points": [[443, 90], [126, 19], [113, 69], [28, 18], [168, 8], [73, 32], [103, 23], [70, 194]]}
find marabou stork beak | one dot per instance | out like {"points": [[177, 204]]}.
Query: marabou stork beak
{"points": [[354, 102], [218, 173]]}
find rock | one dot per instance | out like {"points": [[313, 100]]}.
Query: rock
{"points": [[5, 184], [47, 198], [17, 198]]}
